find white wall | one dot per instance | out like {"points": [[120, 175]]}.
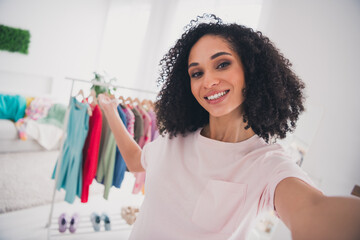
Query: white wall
{"points": [[126, 39], [122, 54], [65, 38], [321, 38], [139, 32]]}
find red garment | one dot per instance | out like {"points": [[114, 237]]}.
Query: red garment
{"points": [[91, 152]]}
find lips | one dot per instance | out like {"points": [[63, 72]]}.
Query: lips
{"points": [[217, 95]]}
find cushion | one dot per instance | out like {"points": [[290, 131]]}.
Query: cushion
{"points": [[55, 116]]}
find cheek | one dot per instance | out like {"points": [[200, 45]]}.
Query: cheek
{"points": [[194, 88], [240, 84]]}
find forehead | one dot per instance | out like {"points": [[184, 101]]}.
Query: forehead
{"points": [[207, 46]]}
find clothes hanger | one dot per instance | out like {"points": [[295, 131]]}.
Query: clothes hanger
{"points": [[129, 101], [151, 104], [122, 100], [93, 95], [137, 101], [148, 104], [81, 93], [144, 104]]}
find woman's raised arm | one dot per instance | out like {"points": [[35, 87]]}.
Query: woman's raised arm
{"points": [[129, 149]]}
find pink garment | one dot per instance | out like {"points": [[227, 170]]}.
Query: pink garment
{"points": [[145, 139], [154, 130], [199, 188], [38, 108], [130, 119]]}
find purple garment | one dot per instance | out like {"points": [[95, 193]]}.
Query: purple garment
{"points": [[154, 130], [130, 119]]}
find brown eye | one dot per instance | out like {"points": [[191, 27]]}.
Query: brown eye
{"points": [[196, 74], [223, 64]]}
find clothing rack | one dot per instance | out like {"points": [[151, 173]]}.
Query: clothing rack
{"points": [[109, 85], [66, 119]]}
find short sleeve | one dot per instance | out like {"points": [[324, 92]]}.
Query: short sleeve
{"points": [[143, 157], [150, 152], [284, 168]]}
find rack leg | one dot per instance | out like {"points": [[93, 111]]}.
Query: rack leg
{"points": [[58, 162]]}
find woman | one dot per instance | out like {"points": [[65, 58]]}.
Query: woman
{"points": [[228, 94]]}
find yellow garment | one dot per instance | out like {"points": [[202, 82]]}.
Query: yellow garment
{"points": [[28, 101], [143, 189]]}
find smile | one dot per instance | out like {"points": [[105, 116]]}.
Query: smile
{"points": [[217, 95]]}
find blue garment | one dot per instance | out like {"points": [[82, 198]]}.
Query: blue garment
{"points": [[12, 107], [120, 166], [70, 174]]}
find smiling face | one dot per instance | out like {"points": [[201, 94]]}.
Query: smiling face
{"points": [[217, 76]]}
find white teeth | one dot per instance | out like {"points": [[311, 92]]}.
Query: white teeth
{"points": [[216, 96]]}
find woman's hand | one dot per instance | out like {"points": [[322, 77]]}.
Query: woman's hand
{"points": [[106, 103]]}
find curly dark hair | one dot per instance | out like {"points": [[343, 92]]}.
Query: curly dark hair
{"points": [[273, 93]]}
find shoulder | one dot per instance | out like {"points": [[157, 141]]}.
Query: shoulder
{"points": [[165, 142], [266, 153], [275, 162], [165, 147]]}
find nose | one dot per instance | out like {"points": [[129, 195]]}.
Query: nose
{"points": [[210, 81]]}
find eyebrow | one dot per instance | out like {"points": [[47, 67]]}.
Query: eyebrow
{"points": [[219, 54], [212, 57]]}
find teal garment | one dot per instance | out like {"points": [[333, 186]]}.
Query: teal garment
{"points": [[12, 107], [70, 174], [55, 116], [106, 163]]}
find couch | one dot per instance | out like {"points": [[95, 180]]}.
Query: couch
{"points": [[10, 141], [39, 120]]}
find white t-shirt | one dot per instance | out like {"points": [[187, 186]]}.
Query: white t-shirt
{"points": [[200, 188]]}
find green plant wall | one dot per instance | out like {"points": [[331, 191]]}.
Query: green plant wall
{"points": [[14, 39]]}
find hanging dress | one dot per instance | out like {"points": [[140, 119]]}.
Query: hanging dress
{"points": [[154, 130], [130, 120], [139, 125], [120, 166], [91, 151], [105, 171], [70, 174], [144, 139]]}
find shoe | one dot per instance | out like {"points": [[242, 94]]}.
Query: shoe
{"points": [[62, 223], [74, 223], [95, 220], [106, 219], [129, 214]]}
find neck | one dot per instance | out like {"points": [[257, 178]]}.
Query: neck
{"points": [[227, 129]]}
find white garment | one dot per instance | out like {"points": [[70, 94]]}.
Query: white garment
{"points": [[47, 135]]}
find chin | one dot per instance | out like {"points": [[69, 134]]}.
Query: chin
{"points": [[218, 113], [225, 112]]}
